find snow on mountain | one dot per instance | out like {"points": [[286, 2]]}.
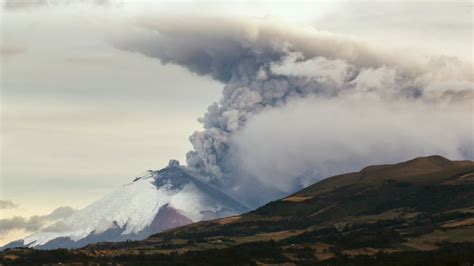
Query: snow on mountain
{"points": [[153, 202]]}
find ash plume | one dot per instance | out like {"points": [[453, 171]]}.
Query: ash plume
{"points": [[269, 69]]}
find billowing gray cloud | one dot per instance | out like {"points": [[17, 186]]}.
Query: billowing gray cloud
{"points": [[33, 223], [264, 66], [6, 204]]}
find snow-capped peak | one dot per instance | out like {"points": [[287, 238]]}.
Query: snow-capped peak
{"points": [[152, 202]]}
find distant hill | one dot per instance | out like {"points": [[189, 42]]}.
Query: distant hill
{"points": [[415, 212]]}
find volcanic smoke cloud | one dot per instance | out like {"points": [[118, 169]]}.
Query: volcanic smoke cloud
{"points": [[299, 104]]}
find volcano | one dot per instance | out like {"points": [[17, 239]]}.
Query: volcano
{"points": [[153, 202]]}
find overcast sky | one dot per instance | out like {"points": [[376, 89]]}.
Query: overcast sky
{"points": [[80, 117]]}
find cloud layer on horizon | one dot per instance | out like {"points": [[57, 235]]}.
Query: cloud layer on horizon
{"points": [[34, 223], [7, 204]]}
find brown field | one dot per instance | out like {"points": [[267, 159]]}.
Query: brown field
{"points": [[466, 222], [268, 236], [229, 220], [368, 251], [297, 198], [432, 240]]}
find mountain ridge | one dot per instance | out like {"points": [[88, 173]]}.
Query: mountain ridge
{"points": [[407, 212]]}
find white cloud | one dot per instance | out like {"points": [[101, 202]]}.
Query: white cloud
{"points": [[309, 139]]}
